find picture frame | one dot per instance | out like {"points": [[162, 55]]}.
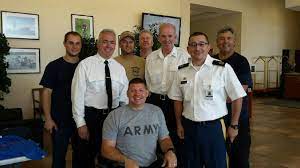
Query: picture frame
{"points": [[18, 25], [83, 24], [23, 60], [150, 21]]}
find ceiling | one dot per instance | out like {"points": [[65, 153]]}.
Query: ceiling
{"points": [[199, 12]]}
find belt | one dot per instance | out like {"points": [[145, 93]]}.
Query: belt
{"points": [[201, 123], [159, 96], [102, 111], [208, 122]]}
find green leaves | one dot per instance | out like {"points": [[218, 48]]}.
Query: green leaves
{"points": [[5, 82], [153, 29], [89, 48]]}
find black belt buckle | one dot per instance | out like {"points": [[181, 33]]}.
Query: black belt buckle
{"points": [[162, 97]]}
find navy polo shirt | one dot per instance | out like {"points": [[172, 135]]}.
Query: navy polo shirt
{"points": [[58, 76], [241, 68]]}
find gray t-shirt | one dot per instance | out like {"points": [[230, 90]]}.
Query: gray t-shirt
{"points": [[136, 132]]}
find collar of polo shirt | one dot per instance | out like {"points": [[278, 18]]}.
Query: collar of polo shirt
{"points": [[173, 53]]}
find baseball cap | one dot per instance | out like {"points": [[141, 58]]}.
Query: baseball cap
{"points": [[126, 34]]}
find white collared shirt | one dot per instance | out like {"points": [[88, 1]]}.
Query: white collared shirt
{"points": [[204, 92], [160, 70], [88, 86]]}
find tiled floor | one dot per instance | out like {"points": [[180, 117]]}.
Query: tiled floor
{"points": [[275, 138]]}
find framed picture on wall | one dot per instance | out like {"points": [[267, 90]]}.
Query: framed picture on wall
{"points": [[23, 60], [20, 25], [152, 21], [83, 24]]}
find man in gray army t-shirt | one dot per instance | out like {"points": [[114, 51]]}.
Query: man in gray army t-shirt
{"points": [[131, 132]]}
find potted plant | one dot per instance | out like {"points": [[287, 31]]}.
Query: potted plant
{"points": [[89, 48], [5, 82]]}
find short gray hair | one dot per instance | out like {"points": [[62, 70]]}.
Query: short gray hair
{"points": [[166, 25], [146, 31], [106, 31], [226, 29]]}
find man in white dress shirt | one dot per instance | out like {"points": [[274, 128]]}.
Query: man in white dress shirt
{"points": [[160, 69], [200, 90], [93, 98]]}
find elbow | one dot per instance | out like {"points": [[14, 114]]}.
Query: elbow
{"points": [[105, 152]]}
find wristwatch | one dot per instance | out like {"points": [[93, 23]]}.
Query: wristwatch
{"points": [[235, 127], [171, 149]]}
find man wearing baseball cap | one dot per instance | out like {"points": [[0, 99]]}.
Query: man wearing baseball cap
{"points": [[134, 65]]}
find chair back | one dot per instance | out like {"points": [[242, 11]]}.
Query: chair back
{"points": [[37, 102]]}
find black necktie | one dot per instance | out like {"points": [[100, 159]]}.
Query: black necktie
{"points": [[108, 85]]}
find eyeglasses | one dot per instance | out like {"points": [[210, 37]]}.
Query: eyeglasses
{"points": [[200, 44]]}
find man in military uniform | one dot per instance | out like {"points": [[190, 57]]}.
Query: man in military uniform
{"points": [[199, 91]]}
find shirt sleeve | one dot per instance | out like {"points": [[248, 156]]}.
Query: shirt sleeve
{"points": [[124, 88], [48, 79], [110, 127], [163, 130], [244, 74], [147, 75], [175, 93], [233, 87], [78, 94]]}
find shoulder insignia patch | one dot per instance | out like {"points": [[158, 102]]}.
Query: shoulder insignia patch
{"points": [[219, 63], [183, 66]]}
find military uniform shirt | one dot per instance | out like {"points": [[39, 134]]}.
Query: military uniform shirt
{"points": [[160, 70], [204, 92], [88, 86]]}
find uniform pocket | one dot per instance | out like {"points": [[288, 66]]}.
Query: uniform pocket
{"points": [[155, 77], [173, 68], [187, 89]]}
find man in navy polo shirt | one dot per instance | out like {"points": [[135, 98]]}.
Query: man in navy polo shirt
{"points": [[56, 100], [240, 147]]}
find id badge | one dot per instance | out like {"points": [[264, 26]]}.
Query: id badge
{"points": [[209, 93]]}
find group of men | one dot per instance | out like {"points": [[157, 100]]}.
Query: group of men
{"points": [[100, 102]]}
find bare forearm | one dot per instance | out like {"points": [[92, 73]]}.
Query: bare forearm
{"points": [[166, 144], [46, 102], [236, 106], [178, 107], [113, 153]]}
